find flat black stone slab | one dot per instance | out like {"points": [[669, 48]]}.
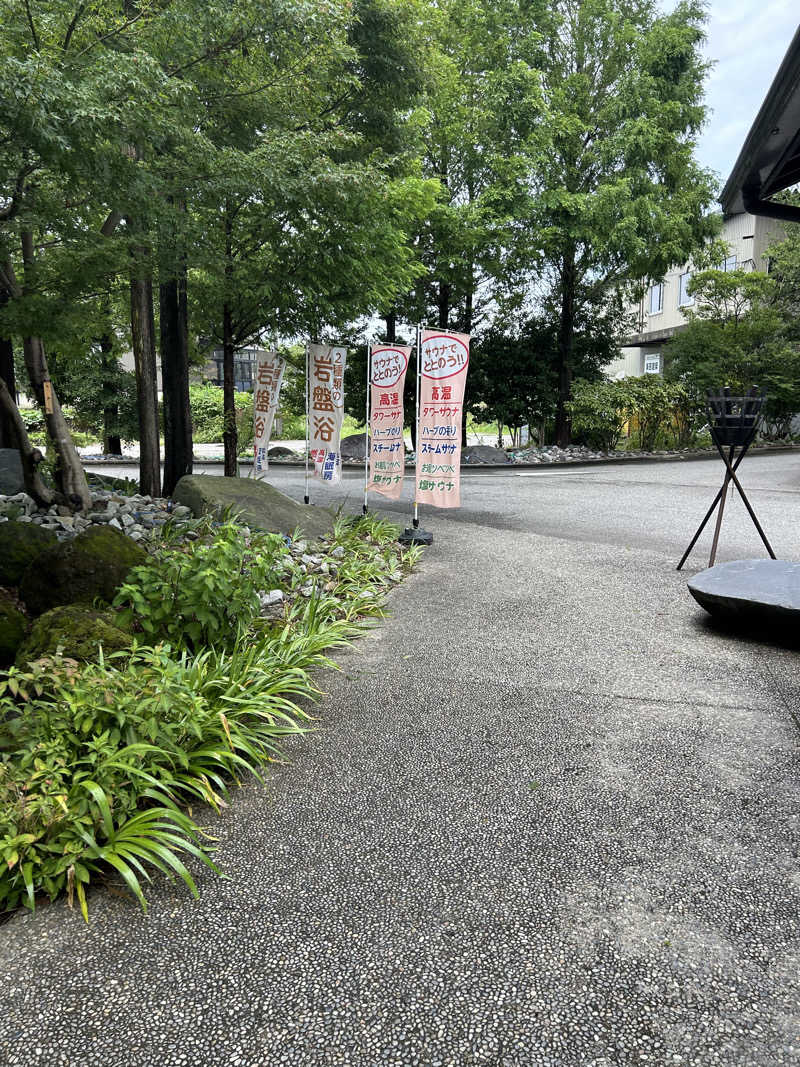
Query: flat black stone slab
{"points": [[765, 589]]}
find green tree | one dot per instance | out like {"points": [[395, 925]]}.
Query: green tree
{"points": [[304, 224], [67, 111], [743, 332], [514, 371], [485, 106], [617, 194]]}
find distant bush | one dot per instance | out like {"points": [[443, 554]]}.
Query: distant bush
{"points": [[205, 402], [655, 413], [598, 413]]}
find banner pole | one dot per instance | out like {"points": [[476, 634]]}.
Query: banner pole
{"points": [[415, 522], [367, 427], [305, 496]]}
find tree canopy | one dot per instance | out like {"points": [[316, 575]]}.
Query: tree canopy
{"points": [[177, 175], [744, 331]]}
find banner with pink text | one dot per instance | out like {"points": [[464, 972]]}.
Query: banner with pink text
{"points": [[266, 393], [325, 386], [443, 364], [387, 453]]}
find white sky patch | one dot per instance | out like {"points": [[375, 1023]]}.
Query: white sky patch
{"points": [[747, 40]]}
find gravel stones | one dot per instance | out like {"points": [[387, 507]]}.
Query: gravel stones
{"points": [[274, 596], [136, 516]]}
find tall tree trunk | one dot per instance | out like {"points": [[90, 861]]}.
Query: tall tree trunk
{"points": [[175, 378], [69, 473], [173, 307], [8, 438], [566, 339], [229, 435], [144, 359], [444, 305], [112, 445], [391, 327], [31, 457]]}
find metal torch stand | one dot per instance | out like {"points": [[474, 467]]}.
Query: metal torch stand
{"points": [[733, 422]]}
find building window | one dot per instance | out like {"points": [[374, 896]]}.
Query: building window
{"points": [[684, 300], [243, 364], [656, 298], [652, 364]]}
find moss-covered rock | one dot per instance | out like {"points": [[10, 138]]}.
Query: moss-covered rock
{"points": [[78, 630], [21, 543], [13, 625], [256, 503], [90, 567]]}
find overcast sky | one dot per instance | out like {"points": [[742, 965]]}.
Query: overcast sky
{"points": [[747, 40]]}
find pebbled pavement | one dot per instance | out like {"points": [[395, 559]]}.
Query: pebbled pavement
{"points": [[550, 817]]}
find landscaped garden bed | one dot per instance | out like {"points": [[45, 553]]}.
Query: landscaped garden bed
{"points": [[130, 714]]}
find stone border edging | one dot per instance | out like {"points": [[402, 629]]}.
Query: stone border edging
{"points": [[605, 462]]}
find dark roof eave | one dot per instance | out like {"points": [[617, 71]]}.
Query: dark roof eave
{"points": [[769, 208], [767, 162]]}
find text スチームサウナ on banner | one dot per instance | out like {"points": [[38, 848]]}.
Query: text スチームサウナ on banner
{"points": [[443, 363], [387, 462]]}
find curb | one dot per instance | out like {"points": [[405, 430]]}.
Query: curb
{"points": [[607, 462]]}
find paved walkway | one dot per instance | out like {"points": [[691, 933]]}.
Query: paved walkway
{"points": [[550, 818]]}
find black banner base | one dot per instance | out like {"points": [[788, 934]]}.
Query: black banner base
{"points": [[411, 536]]}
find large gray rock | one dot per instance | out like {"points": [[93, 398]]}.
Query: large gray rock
{"points": [[11, 480], [13, 625], [78, 630], [354, 447], [90, 567], [255, 503], [751, 589], [21, 544], [484, 454]]}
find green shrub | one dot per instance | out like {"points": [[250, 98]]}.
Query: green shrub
{"points": [[99, 762], [205, 402], [598, 412], [656, 412], [204, 592]]}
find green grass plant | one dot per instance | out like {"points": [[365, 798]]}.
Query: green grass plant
{"points": [[116, 767]]}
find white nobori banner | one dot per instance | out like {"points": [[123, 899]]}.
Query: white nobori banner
{"points": [[266, 393], [326, 365]]}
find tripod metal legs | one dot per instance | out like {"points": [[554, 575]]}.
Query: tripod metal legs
{"points": [[719, 499]]}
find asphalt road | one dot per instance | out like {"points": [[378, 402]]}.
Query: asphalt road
{"points": [[650, 506], [550, 817]]}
